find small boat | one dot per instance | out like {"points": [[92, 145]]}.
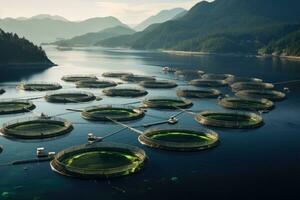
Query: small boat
{"points": [[168, 70], [92, 138], [40, 152]]}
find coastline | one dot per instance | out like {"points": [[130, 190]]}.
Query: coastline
{"points": [[201, 53], [196, 53], [295, 58], [28, 65]]}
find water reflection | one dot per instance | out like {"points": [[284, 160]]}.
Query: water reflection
{"points": [[17, 74]]}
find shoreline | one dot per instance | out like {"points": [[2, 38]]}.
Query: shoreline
{"points": [[201, 53], [196, 53], [29, 65]]}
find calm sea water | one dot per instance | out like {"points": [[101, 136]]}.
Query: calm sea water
{"points": [[262, 163]]}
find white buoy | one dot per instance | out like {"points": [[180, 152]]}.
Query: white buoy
{"points": [[44, 116], [172, 120], [40, 152], [168, 70], [51, 154], [91, 137], [165, 69], [286, 89]]}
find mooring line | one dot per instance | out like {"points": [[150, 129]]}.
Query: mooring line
{"points": [[114, 133], [186, 111], [176, 115], [74, 110], [66, 113], [287, 82], [124, 125], [165, 121], [155, 123], [31, 98], [136, 102]]}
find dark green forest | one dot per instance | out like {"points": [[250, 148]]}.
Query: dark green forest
{"points": [[288, 45], [14, 49], [225, 26]]}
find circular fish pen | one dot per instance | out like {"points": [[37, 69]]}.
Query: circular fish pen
{"points": [[246, 103], [118, 113], [99, 160], [216, 76], [198, 93], [76, 78], [236, 79], [95, 84], [238, 119], [272, 95], [137, 78], [179, 140], [116, 74], [189, 72], [125, 92], [2, 91], [251, 86], [158, 84], [167, 103], [13, 106], [70, 97], [208, 83], [39, 86], [36, 128]]}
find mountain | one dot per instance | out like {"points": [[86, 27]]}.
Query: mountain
{"points": [[161, 17], [15, 50], [45, 16], [179, 15], [47, 29], [221, 26], [288, 45], [91, 39]]}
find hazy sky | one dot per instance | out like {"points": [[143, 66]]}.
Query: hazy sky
{"points": [[128, 11]]}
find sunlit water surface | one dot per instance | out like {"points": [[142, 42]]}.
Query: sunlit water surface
{"points": [[262, 163]]}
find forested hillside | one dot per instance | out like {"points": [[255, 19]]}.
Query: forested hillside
{"points": [[222, 26], [15, 50]]}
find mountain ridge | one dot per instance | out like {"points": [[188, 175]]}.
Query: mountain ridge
{"points": [[160, 17], [91, 39], [222, 26], [49, 30]]}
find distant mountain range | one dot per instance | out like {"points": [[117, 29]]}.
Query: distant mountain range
{"points": [[45, 16], [47, 28], [225, 26], [161, 17], [91, 39], [15, 50]]}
